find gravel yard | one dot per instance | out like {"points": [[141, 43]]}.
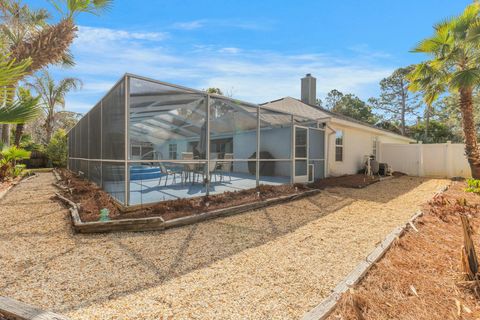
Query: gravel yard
{"points": [[274, 263]]}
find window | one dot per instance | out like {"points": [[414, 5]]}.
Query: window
{"points": [[148, 153], [374, 147], [339, 145], [136, 151], [172, 151]]}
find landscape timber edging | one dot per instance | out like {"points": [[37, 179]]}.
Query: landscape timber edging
{"points": [[16, 310], [326, 307], [157, 223], [23, 179]]}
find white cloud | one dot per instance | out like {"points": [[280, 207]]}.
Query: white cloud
{"points": [[104, 55], [91, 35], [230, 50], [190, 25], [221, 23], [78, 106]]}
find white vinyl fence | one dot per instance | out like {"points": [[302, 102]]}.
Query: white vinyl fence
{"points": [[426, 160]]}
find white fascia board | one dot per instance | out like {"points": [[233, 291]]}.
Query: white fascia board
{"points": [[370, 129]]}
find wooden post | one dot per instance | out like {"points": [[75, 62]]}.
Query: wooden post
{"points": [[469, 255]]}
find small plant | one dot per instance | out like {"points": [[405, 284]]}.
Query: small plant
{"points": [[18, 170], [473, 186], [104, 215], [8, 162]]}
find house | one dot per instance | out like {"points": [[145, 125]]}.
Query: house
{"points": [[147, 141], [348, 140]]}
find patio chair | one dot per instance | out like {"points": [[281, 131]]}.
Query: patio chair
{"points": [[189, 168], [225, 166], [164, 172], [212, 168]]}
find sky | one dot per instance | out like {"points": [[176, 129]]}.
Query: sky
{"points": [[255, 51]]}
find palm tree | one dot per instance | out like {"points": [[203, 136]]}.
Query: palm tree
{"points": [[48, 44], [52, 95], [431, 82], [454, 48], [31, 37], [28, 103]]}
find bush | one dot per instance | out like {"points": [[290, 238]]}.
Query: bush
{"points": [[8, 162], [57, 149], [473, 186]]}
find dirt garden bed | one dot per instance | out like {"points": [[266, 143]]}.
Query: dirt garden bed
{"points": [[4, 185], [418, 277], [92, 199], [347, 181]]}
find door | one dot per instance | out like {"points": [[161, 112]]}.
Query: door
{"points": [[316, 154], [300, 155]]}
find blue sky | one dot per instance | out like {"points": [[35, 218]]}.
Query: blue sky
{"points": [[253, 50]]}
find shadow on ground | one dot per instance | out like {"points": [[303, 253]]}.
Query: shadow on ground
{"points": [[46, 264]]}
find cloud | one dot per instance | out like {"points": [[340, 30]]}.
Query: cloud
{"points": [[263, 25], [91, 35], [78, 106], [190, 25], [229, 50], [104, 55]]}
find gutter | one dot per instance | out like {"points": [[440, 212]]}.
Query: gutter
{"points": [[325, 121], [371, 129]]}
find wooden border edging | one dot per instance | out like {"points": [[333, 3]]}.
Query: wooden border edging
{"points": [[326, 307], [16, 310], [23, 179], [157, 223], [57, 176]]}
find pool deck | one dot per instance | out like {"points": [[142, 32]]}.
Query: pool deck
{"points": [[155, 190]]}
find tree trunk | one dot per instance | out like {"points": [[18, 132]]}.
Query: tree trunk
{"points": [[403, 111], [18, 134], [427, 123], [48, 129], [6, 135], [469, 130]]}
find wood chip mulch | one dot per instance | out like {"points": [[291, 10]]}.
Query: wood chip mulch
{"points": [[418, 277], [274, 263]]}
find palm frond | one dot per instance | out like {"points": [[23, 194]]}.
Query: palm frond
{"points": [[10, 73], [71, 8], [20, 111], [465, 78]]}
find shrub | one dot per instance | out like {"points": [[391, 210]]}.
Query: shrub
{"points": [[57, 149], [473, 186], [8, 162]]}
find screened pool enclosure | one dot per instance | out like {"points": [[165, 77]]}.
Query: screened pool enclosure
{"points": [[148, 141]]}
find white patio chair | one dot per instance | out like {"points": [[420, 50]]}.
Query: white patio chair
{"points": [[225, 166], [188, 168]]}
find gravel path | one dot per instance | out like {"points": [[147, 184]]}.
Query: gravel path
{"points": [[275, 263]]}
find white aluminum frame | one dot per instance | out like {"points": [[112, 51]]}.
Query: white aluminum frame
{"points": [[303, 178], [127, 161]]}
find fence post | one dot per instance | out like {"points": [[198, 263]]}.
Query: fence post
{"points": [[448, 159], [420, 159]]}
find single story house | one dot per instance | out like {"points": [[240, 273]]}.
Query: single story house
{"points": [[147, 141]]}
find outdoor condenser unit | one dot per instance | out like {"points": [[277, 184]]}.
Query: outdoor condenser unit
{"points": [[384, 169]]}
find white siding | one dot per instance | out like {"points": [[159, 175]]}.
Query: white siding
{"points": [[357, 143]]}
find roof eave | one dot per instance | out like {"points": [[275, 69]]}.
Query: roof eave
{"points": [[370, 128]]}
